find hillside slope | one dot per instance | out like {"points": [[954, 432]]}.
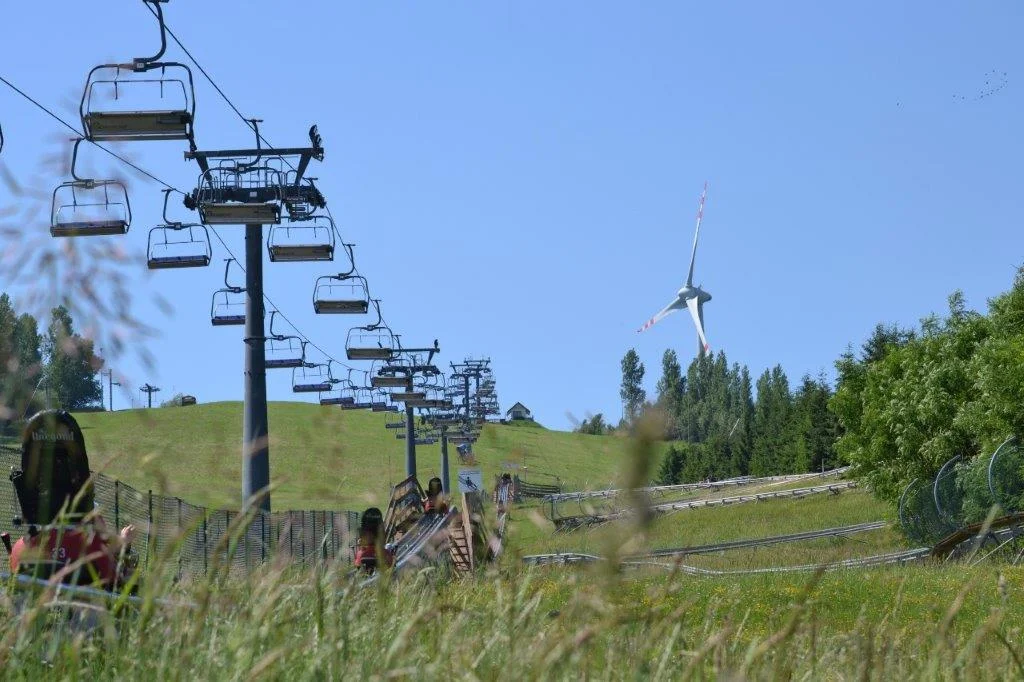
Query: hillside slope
{"points": [[320, 457]]}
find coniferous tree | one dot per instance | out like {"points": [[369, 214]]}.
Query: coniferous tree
{"points": [[671, 470], [632, 389], [670, 389]]}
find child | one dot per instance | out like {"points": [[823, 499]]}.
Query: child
{"points": [[66, 538]]}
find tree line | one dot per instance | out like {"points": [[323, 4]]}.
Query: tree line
{"points": [[904, 403], [916, 397], [55, 366], [724, 424]]}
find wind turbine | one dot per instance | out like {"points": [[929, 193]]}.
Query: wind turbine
{"points": [[689, 296]]}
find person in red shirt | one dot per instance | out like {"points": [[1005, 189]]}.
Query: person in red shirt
{"points": [[66, 537], [434, 502], [370, 545]]}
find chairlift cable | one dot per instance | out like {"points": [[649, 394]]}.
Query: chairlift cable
{"points": [[78, 133]]}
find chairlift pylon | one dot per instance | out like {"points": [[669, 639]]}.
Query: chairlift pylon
{"points": [[84, 207], [118, 102], [284, 351], [228, 305], [309, 239], [178, 245]]}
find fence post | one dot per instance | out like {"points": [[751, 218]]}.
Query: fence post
{"points": [[334, 537], [117, 504], [263, 540], [227, 545], [303, 512], [206, 543], [181, 536], [245, 540], [151, 536]]}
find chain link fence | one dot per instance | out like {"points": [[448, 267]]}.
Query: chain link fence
{"points": [[196, 539], [963, 492]]}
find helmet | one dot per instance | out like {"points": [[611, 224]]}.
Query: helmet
{"points": [[54, 473]]}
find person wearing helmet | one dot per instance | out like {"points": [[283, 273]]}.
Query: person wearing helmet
{"points": [[370, 545], [66, 538]]}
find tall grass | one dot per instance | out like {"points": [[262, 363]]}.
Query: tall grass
{"points": [[284, 623]]}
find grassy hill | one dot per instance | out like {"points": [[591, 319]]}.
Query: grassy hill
{"points": [[320, 457]]}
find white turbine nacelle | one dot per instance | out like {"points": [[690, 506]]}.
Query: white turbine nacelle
{"points": [[689, 296]]}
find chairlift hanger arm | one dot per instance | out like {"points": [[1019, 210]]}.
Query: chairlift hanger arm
{"points": [[141, 63]]}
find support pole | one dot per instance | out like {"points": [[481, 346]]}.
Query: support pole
{"points": [[410, 440], [444, 461], [255, 448]]}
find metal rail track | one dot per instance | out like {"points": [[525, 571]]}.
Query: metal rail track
{"points": [[574, 557], [570, 523], [687, 487]]}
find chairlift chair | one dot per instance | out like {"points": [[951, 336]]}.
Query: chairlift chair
{"points": [[370, 343], [238, 194], [284, 351], [378, 401], [364, 399], [312, 378], [302, 198], [338, 397], [120, 105], [178, 245], [228, 305], [228, 308], [307, 240], [144, 100], [341, 294], [84, 207]]}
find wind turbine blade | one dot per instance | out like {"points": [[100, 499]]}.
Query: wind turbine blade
{"points": [[700, 216], [696, 313], [665, 312]]}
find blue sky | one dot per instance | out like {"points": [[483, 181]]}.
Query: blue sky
{"points": [[521, 178]]}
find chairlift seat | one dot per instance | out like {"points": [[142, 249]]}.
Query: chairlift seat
{"points": [[102, 126], [228, 320], [374, 353], [394, 425], [283, 363], [301, 253], [338, 400], [378, 406], [313, 387], [235, 213], [89, 228], [341, 307], [173, 262], [406, 396], [388, 382]]}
